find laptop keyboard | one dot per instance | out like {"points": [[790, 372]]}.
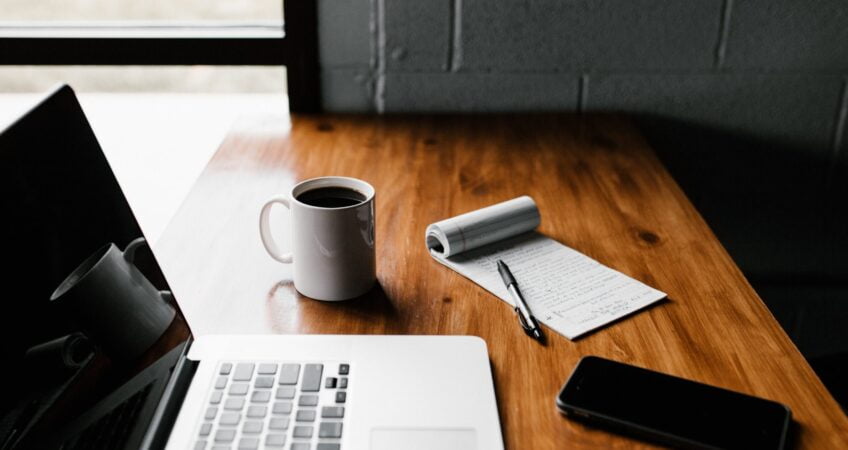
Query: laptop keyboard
{"points": [[271, 405]]}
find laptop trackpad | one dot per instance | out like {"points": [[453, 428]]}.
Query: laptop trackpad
{"points": [[423, 439]]}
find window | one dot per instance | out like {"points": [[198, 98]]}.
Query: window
{"points": [[167, 33]]}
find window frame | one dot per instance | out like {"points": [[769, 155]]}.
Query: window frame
{"points": [[296, 47]]}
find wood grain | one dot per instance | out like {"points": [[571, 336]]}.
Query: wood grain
{"points": [[600, 189]]}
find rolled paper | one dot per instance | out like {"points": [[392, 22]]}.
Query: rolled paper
{"points": [[484, 226]]}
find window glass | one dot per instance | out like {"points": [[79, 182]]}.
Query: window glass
{"points": [[142, 10]]}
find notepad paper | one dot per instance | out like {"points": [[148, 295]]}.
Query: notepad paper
{"points": [[568, 291]]}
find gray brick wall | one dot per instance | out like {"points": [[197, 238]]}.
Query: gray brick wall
{"points": [[479, 92], [569, 35], [776, 64], [797, 35], [796, 110], [418, 35]]}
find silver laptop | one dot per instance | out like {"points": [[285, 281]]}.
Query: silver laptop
{"points": [[75, 379]]}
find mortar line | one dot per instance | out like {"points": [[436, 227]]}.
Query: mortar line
{"points": [[449, 53], [455, 47], [372, 36], [582, 92], [380, 87], [723, 33]]}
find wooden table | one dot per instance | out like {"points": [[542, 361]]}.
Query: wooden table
{"points": [[600, 189]]}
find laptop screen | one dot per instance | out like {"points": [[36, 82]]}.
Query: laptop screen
{"points": [[85, 307]]}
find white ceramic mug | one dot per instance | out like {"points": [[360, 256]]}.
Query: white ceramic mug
{"points": [[332, 247]]}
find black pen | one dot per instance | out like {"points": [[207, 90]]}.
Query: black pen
{"points": [[525, 317]]}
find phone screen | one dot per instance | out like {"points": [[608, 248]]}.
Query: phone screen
{"points": [[671, 409]]}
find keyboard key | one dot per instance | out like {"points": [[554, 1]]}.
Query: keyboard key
{"points": [[220, 447], [262, 376], [260, 396], [281, 423], [244, 372], [230, 419], [282, 408], [200, 445], [332, 412], [330, 430], [263, 382], [234, 404], [289, 373], [224, 435], [275, 440], [216, 397], [257, 411], [311, 377], [326, 446], [267, 369], [303, 432], [285, 392], [305, 415], [252, 427], [308, 400]]}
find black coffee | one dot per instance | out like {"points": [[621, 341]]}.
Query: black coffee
{"points": [[331, 197]]}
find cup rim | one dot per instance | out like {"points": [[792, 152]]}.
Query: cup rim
{"points": [[360, 186], [78, 274]]}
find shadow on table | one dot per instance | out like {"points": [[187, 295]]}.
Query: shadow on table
{"points": [[777, 204], [373, 305]]}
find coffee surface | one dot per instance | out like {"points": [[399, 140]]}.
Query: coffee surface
{"points": [[331, 197]]}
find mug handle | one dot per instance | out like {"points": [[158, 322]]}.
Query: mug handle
{"points": [[132, 247], [265, 230]]}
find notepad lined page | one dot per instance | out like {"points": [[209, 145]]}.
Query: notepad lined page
{"points": [[568, 291]]}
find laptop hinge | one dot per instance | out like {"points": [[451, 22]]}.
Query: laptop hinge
{"points": [[172, 399]]}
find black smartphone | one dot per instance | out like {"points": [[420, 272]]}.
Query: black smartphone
{"points": [[671, 410]]}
